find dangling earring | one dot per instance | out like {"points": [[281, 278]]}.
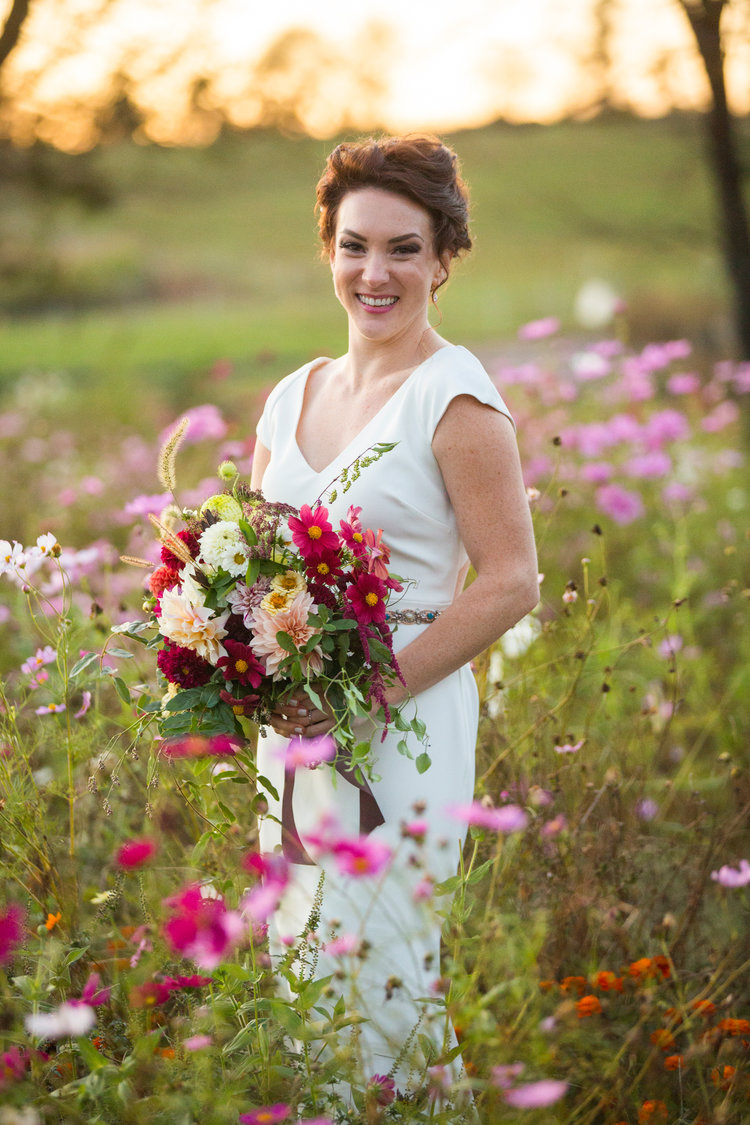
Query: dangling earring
{"points": [[439, 310]]}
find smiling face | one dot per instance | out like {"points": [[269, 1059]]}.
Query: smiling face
{"points": [[384, 263]]}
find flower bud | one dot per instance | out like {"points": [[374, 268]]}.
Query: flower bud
{"points": [[227, 471]]}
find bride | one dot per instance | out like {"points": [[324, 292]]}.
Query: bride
{"points": [[393, 215]]}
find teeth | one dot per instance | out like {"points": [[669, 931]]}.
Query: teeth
{"points": [[376, 300]]}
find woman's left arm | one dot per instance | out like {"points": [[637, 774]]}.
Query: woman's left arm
{"points": [[476, 450]]}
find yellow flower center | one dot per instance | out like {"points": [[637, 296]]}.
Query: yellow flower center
{"points": [[288, 581], [358, 537], [324, 568], [314, 531], [278, 601], [238, 709], [239, 558], [241, 666], [372, 599]]}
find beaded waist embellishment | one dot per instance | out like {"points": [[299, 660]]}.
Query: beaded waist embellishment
{"points": [[411, 616]]}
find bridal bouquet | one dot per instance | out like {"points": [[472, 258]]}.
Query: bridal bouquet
{"points": [[255, 601]]}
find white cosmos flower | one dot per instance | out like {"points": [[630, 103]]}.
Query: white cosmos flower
{"points": [[223, 547], [521, 637], [68, 1019], [192, 626]]}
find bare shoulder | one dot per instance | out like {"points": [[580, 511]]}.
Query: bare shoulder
{"points": [[474, 429]]}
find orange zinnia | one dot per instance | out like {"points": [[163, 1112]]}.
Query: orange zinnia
{"points": [[663, 1038], [661, 964], [652, 1111], [641, 968], [607, 981], [567, 984], [588, 1006]]}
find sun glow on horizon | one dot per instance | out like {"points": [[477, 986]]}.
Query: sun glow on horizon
{"points": [[424, 68]]}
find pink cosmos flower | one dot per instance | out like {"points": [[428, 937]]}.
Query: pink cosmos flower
{"points": [[597, 472], [50, 709], [13, 1064], [148, 505], [259, 903], [308, 753], [134, 853], [92, 994], [568, 748], [554, 827], [378, 554], [366, 596], [361, 855], [11, 931], [504, 1076], [539, 329], [655, 463], [507, 818], [536, 1095], [343, 946], [197, 1042], [85, 704], [665, 425], [683, 383], [202, 929], [620, 504], [381, 1089], [312, 533], [266, 1115], [677, 493], [293, 622], [204, 423], [352, 533], [42, 656], [733, 877], [721, 416]]}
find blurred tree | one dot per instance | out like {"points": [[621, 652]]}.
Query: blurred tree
{"points": [[705, 19], [12, 28]]}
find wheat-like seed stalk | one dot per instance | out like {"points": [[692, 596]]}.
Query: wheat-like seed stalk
{"points": [[170, 540], [168, 453], [131, 560]]}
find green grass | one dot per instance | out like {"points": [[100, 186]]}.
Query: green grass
{"points": [[212, 253]]}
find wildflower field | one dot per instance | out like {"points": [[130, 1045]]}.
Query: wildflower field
{"points": [[596, 954]]}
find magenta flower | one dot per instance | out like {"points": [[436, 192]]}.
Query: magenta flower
{"points": [[536, 1095], [202, 929], [539, 329], [85, 704], [505, 1075], [204, 422], [733, 877], [620, 504], [569, 748], [507, 818], [361, 855], [381, 1089], [197, 1042], [366, 596], [174, 984], [13, 1063], [647, 466], [199, 746], [343, 946], [11, 931], [266, 1115], [352, 533], [308, 752], [134, 853], [259, 903], [683, 383], [312, 533], [92, 994]]}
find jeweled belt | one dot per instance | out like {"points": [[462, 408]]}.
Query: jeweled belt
{"points": [[411, 616]]}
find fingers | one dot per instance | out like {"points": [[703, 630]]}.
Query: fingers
{"points": [[301, 720]]}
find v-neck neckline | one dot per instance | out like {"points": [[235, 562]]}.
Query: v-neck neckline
{"points": [[338, 456]]}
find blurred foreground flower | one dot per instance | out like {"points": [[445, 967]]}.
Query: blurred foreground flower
{"points": [[134, 853], [539, 329], [508, 818], [201, 928], [536, 1095], [69, 1019], [11, 931], [198, 746], [266, 1115]]}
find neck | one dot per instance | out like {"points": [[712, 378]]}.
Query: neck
{"points": [[369, 361]]}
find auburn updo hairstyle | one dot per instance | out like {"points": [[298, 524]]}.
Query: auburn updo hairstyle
{"points": [[419, 167]]}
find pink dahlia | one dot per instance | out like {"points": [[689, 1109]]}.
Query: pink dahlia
{"points": [[293, 622], [312, 533], [183, 666], [241, 664], [367, 595]]}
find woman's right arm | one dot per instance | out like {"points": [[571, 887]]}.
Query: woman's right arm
{"points": [[261, 457]]}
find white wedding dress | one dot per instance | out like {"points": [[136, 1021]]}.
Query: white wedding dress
{"points": [[403, 493]]}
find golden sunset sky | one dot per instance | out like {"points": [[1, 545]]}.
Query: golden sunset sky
{"points": [[442, 66]]}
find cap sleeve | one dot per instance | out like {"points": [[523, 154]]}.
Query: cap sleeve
{"points": [[458, 372]]}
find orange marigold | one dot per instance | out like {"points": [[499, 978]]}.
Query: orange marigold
{"points": [[652, 1111], [166, 1052], [588, 1006], [703, 1008], [734, 1027], [722, 1076], [674, 1062], [643, 967], [579, 984], [607, 981], [663, 1038], [662, 965], [547, 985]]}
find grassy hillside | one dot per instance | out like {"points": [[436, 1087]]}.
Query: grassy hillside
{"points": [[211, 254]]}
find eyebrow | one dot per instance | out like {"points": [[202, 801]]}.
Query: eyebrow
{"points": [[398, 238]]}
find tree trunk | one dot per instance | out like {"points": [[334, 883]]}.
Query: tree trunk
{"points": [[705, 21], [13, 25]]}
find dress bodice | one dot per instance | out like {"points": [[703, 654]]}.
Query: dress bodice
{"points": [[403, 493]]}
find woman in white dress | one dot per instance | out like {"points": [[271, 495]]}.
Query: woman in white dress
{"points": [[393, 216]]}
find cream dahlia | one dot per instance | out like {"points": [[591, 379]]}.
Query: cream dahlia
{"points": [[223, 547], [192, 626]]}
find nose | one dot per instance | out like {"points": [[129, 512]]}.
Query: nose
{"points": [[375, 269]]}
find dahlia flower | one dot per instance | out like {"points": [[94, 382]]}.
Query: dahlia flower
{"points": [[192, 626], [293, 622], [223, 547]]}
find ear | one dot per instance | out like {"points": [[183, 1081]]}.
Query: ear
{"points": [[441, 273]]}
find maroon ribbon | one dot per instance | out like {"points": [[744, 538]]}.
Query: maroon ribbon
{"points": [[370, 815]]}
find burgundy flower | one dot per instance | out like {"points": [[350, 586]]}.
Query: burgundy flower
{"points": [[244, 705], [326, 568], [183, 666], [191, 542], [366, 596], [381, 1089], [241, 664], [149, 994]]}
